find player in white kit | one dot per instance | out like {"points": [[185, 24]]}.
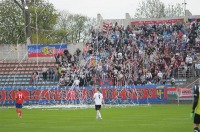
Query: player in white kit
{"points": [[98, 99]]}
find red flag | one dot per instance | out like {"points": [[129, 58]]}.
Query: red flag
{"points": [[105, 27], [105, 24]]}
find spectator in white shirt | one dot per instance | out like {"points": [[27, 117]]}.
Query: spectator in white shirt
{"points": [[160, 75], [76, 83], [188, 60]]}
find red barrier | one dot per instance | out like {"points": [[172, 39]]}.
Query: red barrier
{"points": [[125, 93]]}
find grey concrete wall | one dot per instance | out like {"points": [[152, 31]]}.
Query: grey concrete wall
{"points": [[13, 52], [19, 52], [127, 21]]}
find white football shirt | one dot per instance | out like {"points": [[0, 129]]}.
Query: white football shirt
{"points": [[76, 82], [98, 98]]}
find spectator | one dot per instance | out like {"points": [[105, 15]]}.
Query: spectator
{"points": [[197, 69], [188, 60], [32, 78], [89, 80], [36, 78], [55, 74], [76, 83], [160, 75], [139, 55], [57, 57], [44, 73], [62, 81], [51, 72], [59, 71], [173, 81]]}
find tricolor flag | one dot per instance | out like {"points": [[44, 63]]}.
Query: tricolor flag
{"points": [[105, 27]]}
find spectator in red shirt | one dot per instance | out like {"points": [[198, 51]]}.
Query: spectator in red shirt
{"points": [[19, 97]]}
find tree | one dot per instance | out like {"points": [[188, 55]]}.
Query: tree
{"points": [[11, 23], [66, 22], [174, 10], [74, 25], [38, 21], [22, 19], [89, 27], [43, 20], [157, 9]]}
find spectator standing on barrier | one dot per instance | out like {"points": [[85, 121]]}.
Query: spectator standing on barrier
{"points": [[98, 99], [196, 107]]}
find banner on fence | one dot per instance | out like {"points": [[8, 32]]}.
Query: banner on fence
{"points": [[106, 82], [142, 94], [172, 92], [179, 92], [93, 60], [185, 92], [46, 50]]}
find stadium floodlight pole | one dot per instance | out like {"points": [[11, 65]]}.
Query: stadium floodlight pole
{"points": [[184, 7], [36, 26], [27, 24]]}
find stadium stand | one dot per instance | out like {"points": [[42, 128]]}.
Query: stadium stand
{"points": [[145, 54], [119, 56], [14, 73]]}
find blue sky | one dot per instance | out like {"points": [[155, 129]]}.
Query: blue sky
{"points": [[113, 9]]}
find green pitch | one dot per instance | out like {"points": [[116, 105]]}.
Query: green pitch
{"points": [[154, 118]]}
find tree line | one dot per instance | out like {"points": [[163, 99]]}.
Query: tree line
{"points": [[38, 22]]}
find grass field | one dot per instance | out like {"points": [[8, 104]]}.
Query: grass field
{"points": [[154, 118]]}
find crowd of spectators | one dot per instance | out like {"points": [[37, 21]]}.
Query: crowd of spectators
{"points": [[132, 55]]}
